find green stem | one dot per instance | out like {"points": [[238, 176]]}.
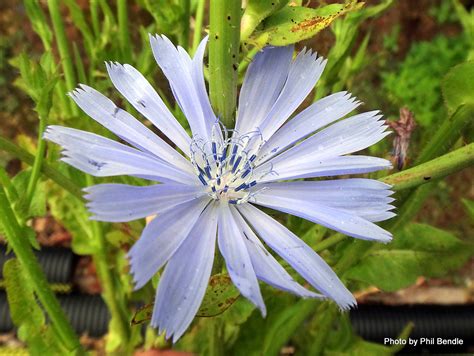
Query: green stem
{"points": [[198, 24], [94, 9], [435, 169], [447, 134], [110, 293], [62, 43], [47, 170], [7, 184], [330, 241], [183, 40], [24, 253], [223, 57], [248, 58], [39, 158], [124, 34]]}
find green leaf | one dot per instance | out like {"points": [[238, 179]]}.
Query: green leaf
{"points": [[26, 313], [39, 22], [296, 23], [419, 250], [255, 12], [38, 203], [72, 214], [220, 295], [458, 86]]}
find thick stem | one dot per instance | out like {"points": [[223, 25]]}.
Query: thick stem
{"points": [[48, 171], [223, 57], [435, 169], [24, 253]]}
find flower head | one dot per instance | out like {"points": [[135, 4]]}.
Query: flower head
{"points": [[210, 191]]}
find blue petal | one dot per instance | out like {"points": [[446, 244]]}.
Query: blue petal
{"points": [[161, 238], [139, 92], [346, 136], [262, 86], [366, 198], [232, 246], [185, 279], [299, 255], [178, 69], [342, 220], [102, 157], [125, 126], [266, 266], [121, 202], [325, 167], [304, 72], [316, 116]]}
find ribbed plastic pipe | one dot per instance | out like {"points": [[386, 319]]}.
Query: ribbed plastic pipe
{"points": [[58, 263]]}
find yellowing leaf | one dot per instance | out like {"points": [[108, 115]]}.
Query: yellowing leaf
{"points": [[296, 23]]}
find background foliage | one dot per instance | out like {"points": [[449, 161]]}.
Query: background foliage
{"points": [[66, 42]]}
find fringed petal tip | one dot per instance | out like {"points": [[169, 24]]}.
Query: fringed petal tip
{"points": [[348, 305]]}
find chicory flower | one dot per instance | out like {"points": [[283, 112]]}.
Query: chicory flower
{"points": [[209, 189]]}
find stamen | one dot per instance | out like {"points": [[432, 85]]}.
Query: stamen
{"points": [[228, 177]]}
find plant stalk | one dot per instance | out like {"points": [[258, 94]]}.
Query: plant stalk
{"points": [[124, 34], [62, 43], [435, 169], [48, 170], [39, 158], [24, 253], [198, 24], [223, 57]]}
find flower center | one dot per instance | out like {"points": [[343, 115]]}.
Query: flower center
{"points": [[225, 164]]}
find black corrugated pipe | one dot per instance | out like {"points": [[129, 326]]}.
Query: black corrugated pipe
{"points": [[58, 263], [87, 313], [437, 328]]}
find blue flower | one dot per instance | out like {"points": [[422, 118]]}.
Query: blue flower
{"points": [[210, 191]]}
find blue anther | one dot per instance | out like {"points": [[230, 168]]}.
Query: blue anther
{"points": [[233, 201], [213, 189], [214, 150], [218, 180], [201, 178], [226, 188], [208, 171], [224, 154], [251, 184], [246, 173], [236, 164], [234, 152], [252, 158], [240, 187]]}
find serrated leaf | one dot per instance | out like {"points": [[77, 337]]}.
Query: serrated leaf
{"points": [[26, 313], [296, 23], [458, 86], [38, 203], [220, 295], [419, 250], [72, 213]]}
